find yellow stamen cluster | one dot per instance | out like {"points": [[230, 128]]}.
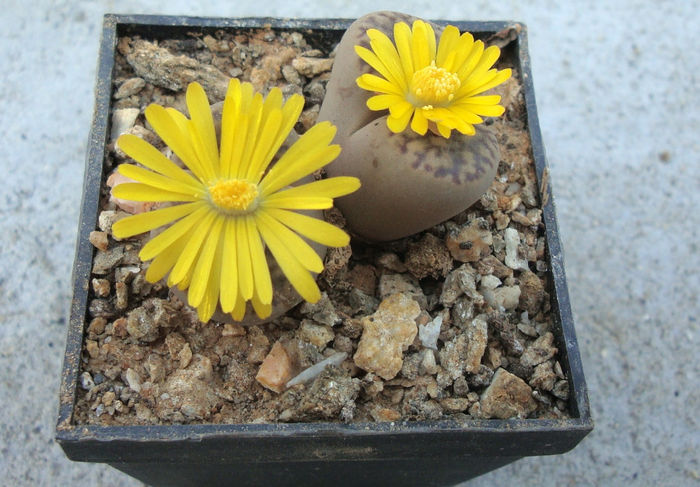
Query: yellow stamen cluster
{"points": [[434, 86], [235, 195]]}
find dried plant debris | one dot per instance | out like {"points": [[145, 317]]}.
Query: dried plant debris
{"points": [[463, 306]]}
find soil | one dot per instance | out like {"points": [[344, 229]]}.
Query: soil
{"points": [[477, 343]]}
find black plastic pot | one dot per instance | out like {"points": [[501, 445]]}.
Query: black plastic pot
{"points": [[408, 453]]}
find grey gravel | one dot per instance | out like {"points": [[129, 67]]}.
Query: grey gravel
{"points": [[617, 92]]}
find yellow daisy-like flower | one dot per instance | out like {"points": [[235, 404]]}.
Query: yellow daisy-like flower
{"points": [[437, 86], [229, 206]]}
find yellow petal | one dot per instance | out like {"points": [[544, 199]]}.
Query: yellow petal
{"points": [[447, 44], [481, 100], [229, 115], [203, 267], [306, 255], [398, 124], [488, 58], [165, 123], [296, 273], [143, 192], [307, 155], [311, 228], [420, 45], [192, 248], [389, 57], [229, 268], [400, 110], [200, 114], [157, 180], [144, 222], [163, 240], [444, 130], [472, 59], [495, 80], [165, 261], [261, 272], [375, 62], [463, 113], [382, 102], [263, 310], [419, 124], [485, 110], [297, 202], [402, 37], [324, 188], [254, 115], [372, 82], [239, 308], [267, 137], [143, 152], [206, 308], [244, 264]]}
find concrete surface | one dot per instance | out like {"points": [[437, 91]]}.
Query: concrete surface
{"points": [[617, 86]]}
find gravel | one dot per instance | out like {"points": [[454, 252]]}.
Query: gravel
{"points": [[624, 174]]}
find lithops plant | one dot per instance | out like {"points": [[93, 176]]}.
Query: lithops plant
{"points": [[229, 204], [416, 176]]}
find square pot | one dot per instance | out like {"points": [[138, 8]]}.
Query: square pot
{"points": [[407, 453]]}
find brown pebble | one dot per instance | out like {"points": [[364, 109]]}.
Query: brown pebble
{"points": [[92, 348], [99, 239], [119, 327], [96, 327], [469, 242], [276, 369], [122, 291], [101, 287]]}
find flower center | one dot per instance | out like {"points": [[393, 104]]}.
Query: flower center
{"points": [[234, 195], [434, 86]]}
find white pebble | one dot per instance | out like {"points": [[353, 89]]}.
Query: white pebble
{"points": [[316, 369], [429, 333]]}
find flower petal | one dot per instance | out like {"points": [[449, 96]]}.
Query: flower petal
{"points": [[164, 261], [143, 152], [311, 228], [203, 266], [308, 154], [382, 102], [420, 45], [447, 44], [244, 264], [188, 257], [144, 192], [166, 125], [387, 55], [298, 276], [402, 38], [263, 310], [324, 188], [371, 82], [207, 307], [261, 272], [229, 267], [419, 124], [144, 222], [379, 65], [156, 180], [306, 255], [398, 123], [297, 202], [203, 122], [163, 240]]}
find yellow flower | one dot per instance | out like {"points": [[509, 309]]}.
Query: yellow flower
{"points": [[437, 86], [228, 205]]}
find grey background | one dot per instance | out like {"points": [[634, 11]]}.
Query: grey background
{"points": [[618, 91]]}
